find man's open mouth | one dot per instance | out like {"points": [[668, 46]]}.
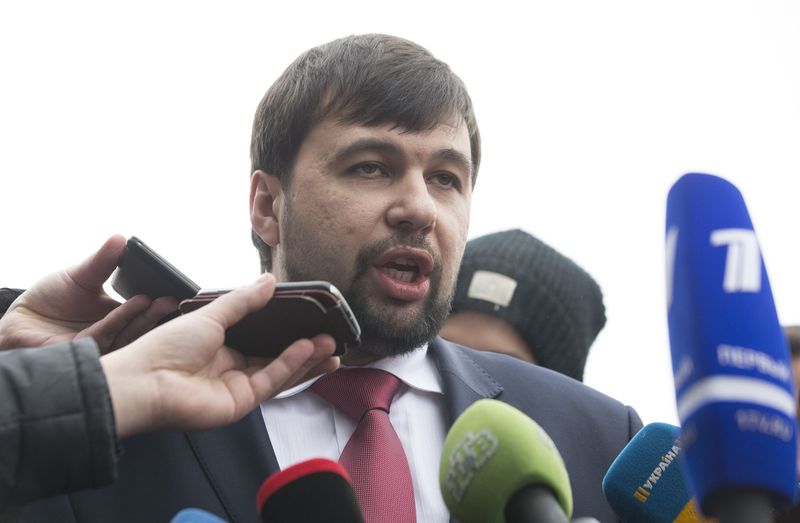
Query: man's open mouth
{"points": [[402, 269], [406, 264]]}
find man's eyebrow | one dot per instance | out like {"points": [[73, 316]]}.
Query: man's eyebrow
{"points": [[386, 147], [365, 144], [457, 157]]}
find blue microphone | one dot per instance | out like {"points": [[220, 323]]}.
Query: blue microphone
{"points": [[195, 515], [733, 380], [646, 483]]}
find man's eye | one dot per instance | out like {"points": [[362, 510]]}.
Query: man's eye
{"points": [[445, 180], [369, 169]]}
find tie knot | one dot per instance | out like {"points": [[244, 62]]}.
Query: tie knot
{"points": [[358, 390]]}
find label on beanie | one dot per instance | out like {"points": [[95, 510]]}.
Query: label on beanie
{"points": [[492, 287]]}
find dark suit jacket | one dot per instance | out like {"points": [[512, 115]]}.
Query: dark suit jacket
{"points": [[220, 470]]}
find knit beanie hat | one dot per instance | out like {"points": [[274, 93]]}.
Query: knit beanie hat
{"points": [[556, 306]]}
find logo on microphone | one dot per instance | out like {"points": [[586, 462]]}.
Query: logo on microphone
{"points": [[748, 359], [467, 458], [644, 491], [641, 494], [743, 261]]}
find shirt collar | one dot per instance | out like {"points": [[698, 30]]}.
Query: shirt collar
{"points": [[416, 369]]}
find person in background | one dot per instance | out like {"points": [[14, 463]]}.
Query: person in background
{"points": [[517, 295]]}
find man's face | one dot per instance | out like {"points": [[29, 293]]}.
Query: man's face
{"points": [[383, 215]]}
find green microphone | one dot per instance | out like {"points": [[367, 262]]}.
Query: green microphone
{"points": [[500, 466]]}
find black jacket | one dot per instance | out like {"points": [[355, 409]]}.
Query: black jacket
{"points": [[56, 422]]}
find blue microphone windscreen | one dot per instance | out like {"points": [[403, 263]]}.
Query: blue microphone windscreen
{"points": [[645, 482], [733, 381], [195, 515]]}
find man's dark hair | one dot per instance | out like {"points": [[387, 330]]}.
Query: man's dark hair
{"points": [[371, 79]]}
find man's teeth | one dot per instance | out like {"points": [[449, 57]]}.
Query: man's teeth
{"points": [[404, 276]]}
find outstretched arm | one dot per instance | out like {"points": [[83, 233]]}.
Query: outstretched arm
{"points": [[58, 433], [72, 303]]}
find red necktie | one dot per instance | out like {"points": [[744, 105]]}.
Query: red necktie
{"points": [[373, 456]]}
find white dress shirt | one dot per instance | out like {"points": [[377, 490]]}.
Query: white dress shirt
{"points": [[302, 425]]}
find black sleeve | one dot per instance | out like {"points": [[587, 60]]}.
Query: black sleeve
{"points": [[7, 297], [57, 431]]}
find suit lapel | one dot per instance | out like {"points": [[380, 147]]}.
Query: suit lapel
{"points": [[236, 459], [463, 380]]}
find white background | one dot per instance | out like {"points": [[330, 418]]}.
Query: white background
{"points": [[135, 118]]}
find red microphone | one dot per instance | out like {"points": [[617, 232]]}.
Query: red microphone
{"points": [[316, 490]]}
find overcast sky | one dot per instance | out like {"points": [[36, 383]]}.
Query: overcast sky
{"points": [[135, 118]]}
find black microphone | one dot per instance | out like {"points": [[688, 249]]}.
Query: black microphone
{"points": [[317, 490]]}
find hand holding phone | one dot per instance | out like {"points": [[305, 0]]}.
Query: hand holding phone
{"points": [[296, 310]]}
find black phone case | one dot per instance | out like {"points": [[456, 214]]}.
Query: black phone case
{"points": [[141, 270], [296, 310]]}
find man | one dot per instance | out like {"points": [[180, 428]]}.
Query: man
{"points": [[518, 296], [365, 152]]}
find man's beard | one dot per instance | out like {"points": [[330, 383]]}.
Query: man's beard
{"points": [[385, 330]]}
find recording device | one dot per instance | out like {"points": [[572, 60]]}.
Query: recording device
{"points": [[195, 515], [141, 270], [733, 379], [646, 483], [296, 310], [317, 490], [499, 465]]}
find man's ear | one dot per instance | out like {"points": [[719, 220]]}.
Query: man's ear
{"points": [[266, 198]]}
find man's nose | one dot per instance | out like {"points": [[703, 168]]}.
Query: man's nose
{"points": [[413, 209]]}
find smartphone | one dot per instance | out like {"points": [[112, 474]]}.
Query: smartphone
{"points": [[140, 270], [296, 310]]}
